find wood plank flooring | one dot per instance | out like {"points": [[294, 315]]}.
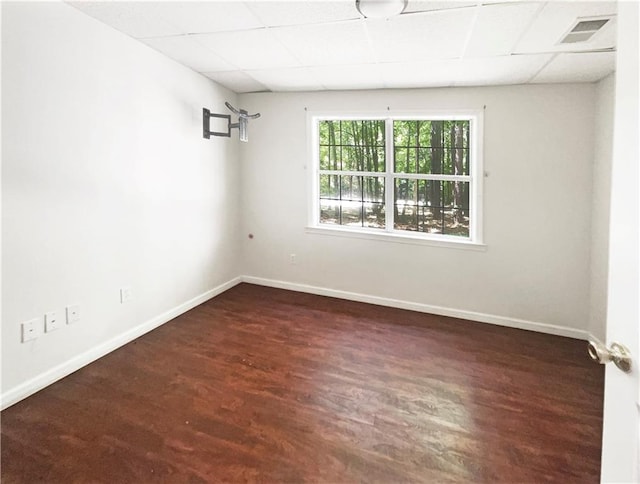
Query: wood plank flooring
{"points": [[266, 385]]}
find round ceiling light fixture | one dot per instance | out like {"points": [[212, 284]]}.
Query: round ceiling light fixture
{"points": [[380, 8]]}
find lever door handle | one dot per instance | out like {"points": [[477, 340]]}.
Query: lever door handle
{"points": [[616, 352]]}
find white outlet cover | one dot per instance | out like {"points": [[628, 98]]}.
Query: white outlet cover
{"points": [[30, 330], [73, 313], [125, 294], [51, 321]]}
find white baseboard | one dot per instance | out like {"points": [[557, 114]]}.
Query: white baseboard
{"points": [[424, 308], [45, 379], [15, 394]]}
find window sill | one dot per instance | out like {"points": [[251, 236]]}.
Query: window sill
{"points": [[397, 238]]}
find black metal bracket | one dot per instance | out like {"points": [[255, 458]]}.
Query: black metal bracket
{"points": [[243, 121], [206, 125]]}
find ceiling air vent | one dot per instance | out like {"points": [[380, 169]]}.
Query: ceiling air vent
{"points": [[583, 30]]}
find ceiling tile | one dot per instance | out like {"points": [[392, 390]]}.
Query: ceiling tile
{"points": [[236, 81], [498, 27], [366, 76], [421, 36], [464, 72], [499, 70], [428, 5], [288, 79], [137, 19], [249, 49], [587, 67], [204, 17], [436, 73], [187, 51], [328, 44], [303, 12], [555, 20]]}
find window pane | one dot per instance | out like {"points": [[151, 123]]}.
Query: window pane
{"points": [[455, 203], [457, 147], [329, 212], [352, 200], [349, 158], [329, 132], [466, 162], [323, 133], [437, 160], [422, 192], [406, 191], [374, 216], [347, 129], [325, 160], [378, 159], [406, 217], [373, 189], [412, 134], [432, 206], [400, 160], [401, 133], [433, 194], [352, 213], [424, 160], [432, 147], [455, 194], [373, 206], [412, 155], [329, 187], [329, 136], [352, 145], [405, 204], [460, 130], [430, 220], [424, 133], [351, 187]]}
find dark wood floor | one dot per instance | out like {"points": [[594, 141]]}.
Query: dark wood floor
{"points": [[267, 385]]}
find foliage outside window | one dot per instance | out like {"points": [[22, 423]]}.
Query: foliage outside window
{"points": [[398, 175]]}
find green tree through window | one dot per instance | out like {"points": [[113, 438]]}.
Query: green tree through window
{"points": [[352, 168], [428, 169]]}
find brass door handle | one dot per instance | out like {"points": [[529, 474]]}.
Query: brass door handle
{"points": [[616, 352]]}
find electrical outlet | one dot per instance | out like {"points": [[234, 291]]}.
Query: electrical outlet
{"points": [[125, 294], [51, 322], [30, 330], [73, 313], [292, 258]]}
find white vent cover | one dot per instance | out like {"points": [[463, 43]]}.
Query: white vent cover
{"points": [[584, 29]]}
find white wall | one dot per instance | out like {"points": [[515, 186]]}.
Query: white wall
{"points": [[538, 150], [600, 202], [106, 182]]}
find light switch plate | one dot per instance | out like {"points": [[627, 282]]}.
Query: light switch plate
{"points": [[51, 321], [73, 313], [30, 330], [125, 294]]}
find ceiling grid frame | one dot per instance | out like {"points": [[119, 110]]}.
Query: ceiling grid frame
{"points": [[208, 37]]}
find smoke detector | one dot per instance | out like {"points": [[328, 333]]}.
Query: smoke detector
{"points": [[583, 29]]}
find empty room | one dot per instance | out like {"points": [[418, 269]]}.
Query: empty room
{"points": [[320, 241]]}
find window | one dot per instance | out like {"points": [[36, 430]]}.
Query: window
{"points": [[407, 176]]}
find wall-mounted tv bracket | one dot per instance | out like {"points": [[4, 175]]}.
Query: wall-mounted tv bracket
{"points": [[243, 121]]}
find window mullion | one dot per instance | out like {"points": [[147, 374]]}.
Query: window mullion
{"points": [[389, 181]]}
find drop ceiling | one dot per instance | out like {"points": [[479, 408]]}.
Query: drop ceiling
{"points": [[324, 45]]}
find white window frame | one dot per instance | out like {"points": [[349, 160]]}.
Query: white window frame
{"points": [[475, 178]]}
